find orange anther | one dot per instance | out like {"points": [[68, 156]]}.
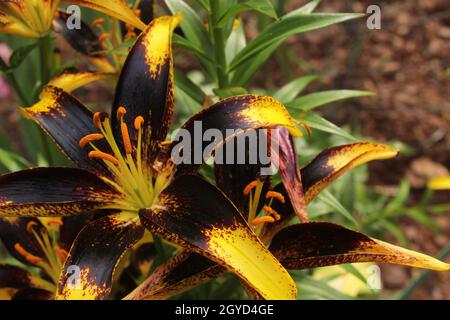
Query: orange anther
{"points": [[89, 138], [272, 212], [308, 129], [138, 122], [263, 219], [126, 138], [103, 156], [98, 118], [138, 13], [98, 22], [276, 195], [121, 112], [62, 254], [103, 37], [250, 187], [30, 226], [28, 256]]}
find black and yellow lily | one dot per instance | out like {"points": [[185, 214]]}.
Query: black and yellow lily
{"points": [[34, 18], [296, 246], [123, 169], [36, 242]]}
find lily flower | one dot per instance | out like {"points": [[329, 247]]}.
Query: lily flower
{"points": [[123, 169], [33, 18], [439, 183], [36, 242], [270, 212]]}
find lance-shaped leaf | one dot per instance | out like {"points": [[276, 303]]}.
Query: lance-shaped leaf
{"points": [[333, 162], [290, 172], [95, 254], [14, 230], [145, 86], [70, 81], [53, 192], [66, 120], [114, 8], [317, 244], [83, 39], [183, 271], [196, 215], [225, 120]]}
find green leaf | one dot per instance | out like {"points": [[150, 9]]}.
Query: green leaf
{"points": [[236, 41], [317, 122], [19, 55], [229, 92], [192, 25], [189, 87], [186, 44], [309, 288], [398, 202], [354, 271], [291, 90], [395, 231], [204, 4], [12, 161], [3, 66], [307, 8], [281, 29], [317, 99], [422, 218], [326, 197], [263, 6]]}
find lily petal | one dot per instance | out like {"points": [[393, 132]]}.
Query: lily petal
{"points": [[439, 183], [145, 86], [318, 244], [32, 294], [115, 8], [83, 39], [70, 81], [52, 192], [193, 213], [96, 252], [183, 271], [290, 173], [333, 162], [66, 120], [239, 113], [14, 277]]}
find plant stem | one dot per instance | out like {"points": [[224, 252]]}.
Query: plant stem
{"points": [[46, 59], [219, 46], [161, 253]]}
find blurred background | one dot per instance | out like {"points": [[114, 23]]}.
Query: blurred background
{"points": [[406, 64]]}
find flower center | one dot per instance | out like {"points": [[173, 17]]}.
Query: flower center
{"points": [[48, 242], [132, 177], [254, 191]]}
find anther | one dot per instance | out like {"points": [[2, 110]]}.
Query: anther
{"points": [[307, 128], [236, 24], [62, 254], [103, 37], [121, 112], [97, 22], [126, 138], [98, 118], [89, 138], [138, 122], [30, 226], [272, 212], [250, 187], [276, 195], [28, 256], [263, 219], [103, 156]]}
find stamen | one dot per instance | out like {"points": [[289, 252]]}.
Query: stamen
{"points": [[103, 156], [120, 113], [98, 118], [103, 37], [62, 254], [138, 122], [263, 219], [89, 138], [126, 138], [97, 22], [30, 226], [276, 195], [28, 256], [308, 129], [272, 212], [250, 187]]}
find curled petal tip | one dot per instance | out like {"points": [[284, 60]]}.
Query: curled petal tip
{"points": [[439, 183]]}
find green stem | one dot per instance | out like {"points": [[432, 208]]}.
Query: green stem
{"points": [[219, 45], [162, 255], [46, 59]]}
